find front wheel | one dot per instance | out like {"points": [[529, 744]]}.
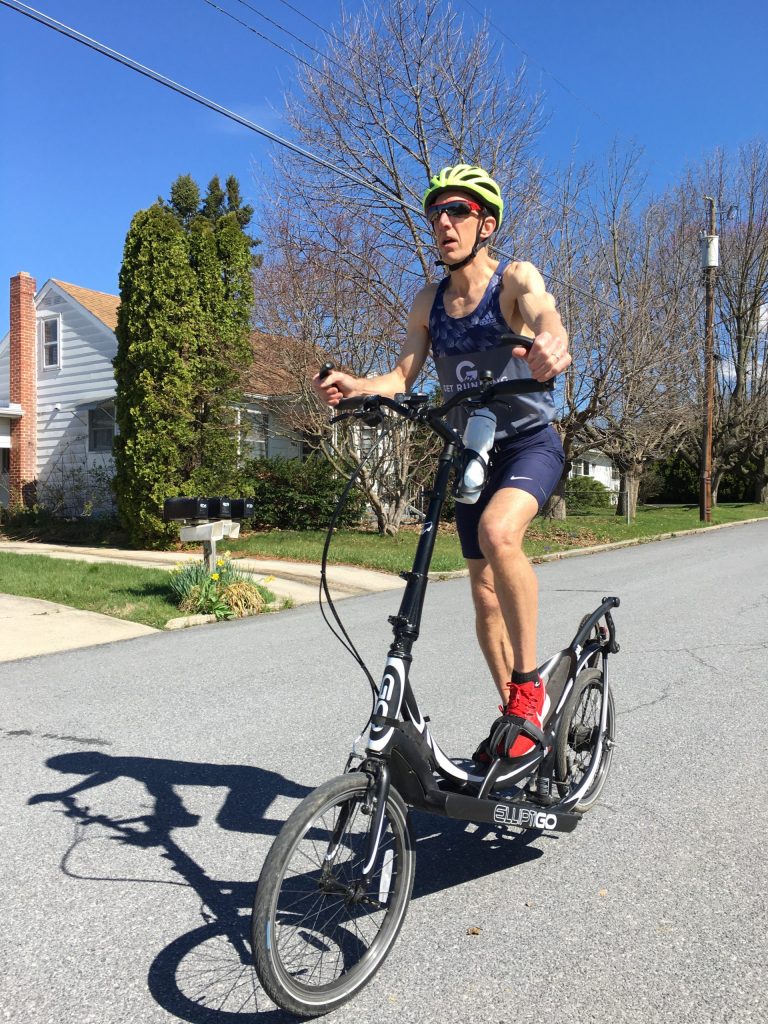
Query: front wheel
{"points": [[578, 738], [319, 932]]}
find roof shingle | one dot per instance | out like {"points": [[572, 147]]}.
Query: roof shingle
{"points": [[101, 304]]}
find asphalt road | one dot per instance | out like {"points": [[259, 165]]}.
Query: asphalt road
{"points": [[142, 783]]}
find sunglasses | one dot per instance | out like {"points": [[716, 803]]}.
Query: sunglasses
{"points": [[457, 209]]}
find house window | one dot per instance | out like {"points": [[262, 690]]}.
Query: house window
{"points": [[5, 460], [257, 436], [580, 468], [101, 428], [49, 330]]}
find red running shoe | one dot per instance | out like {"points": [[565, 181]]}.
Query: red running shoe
{"points": [[527, 700]]}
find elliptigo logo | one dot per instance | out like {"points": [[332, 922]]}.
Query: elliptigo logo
{"points": [[523, 817]]}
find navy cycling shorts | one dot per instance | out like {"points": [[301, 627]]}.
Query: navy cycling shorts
{"points": [[531, 462]]}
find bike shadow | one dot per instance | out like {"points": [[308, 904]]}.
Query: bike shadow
{"points": [[206, 975], [451, 852]]}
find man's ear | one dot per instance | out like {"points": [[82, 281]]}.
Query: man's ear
{"points": [[488, 226]]}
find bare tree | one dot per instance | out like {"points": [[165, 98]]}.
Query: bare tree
{"points": [[740, 433], [742, 302], [402, 90], [628, 392]]}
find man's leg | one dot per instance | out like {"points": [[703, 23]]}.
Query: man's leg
{"points": [[501, 531], [490, 627]]}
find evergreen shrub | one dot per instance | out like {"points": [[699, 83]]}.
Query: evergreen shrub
{"points": [[583, 494], [295, 495]]}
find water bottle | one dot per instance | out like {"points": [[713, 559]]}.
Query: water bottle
{"points": [[478, 441]]}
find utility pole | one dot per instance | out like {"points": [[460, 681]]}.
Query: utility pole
{"points": [[710, 259]]}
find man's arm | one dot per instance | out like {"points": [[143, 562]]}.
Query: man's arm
{"points": [[413, 354], [549, 354]]}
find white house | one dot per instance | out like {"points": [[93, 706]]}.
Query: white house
{"points": [[57, 390], [595, 464]]}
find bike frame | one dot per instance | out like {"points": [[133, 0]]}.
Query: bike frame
{"points": [[400, 748]]}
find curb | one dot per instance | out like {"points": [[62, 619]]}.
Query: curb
{"points": [[555, 556], [635, 541]]}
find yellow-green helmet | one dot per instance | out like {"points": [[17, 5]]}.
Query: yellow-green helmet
{"points": [[471, 179]]}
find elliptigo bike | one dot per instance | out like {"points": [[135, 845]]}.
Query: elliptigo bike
{"points": [[336, 884]]}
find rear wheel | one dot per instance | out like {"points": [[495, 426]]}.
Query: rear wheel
{"points": [[578, 739], [319, 932]]}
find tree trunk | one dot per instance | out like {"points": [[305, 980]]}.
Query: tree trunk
{"points": [[717, 477], [630, 484], [760, 494], [555, 507]]}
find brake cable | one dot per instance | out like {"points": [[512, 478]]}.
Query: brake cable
{"points": [[342, 636]]}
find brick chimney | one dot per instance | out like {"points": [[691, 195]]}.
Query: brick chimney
{"points": [[23, 390]]}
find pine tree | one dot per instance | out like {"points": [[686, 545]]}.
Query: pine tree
{"points": [[158, 326], [183, 346]]}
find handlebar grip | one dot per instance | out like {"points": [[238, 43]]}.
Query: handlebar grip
{"points": [[325, 369], [517, 340]]}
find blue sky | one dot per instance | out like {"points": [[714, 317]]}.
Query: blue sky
{"points": [[86, 143]]}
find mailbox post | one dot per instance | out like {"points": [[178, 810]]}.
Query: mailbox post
{"points": [[209, 534]]}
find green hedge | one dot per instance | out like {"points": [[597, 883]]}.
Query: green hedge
{"points": [[583, 493], [295, 495]]}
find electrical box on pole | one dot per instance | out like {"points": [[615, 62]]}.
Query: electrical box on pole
{"points": [[710, 251]]}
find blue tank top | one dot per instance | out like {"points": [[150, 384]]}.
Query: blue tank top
{"points": [[464, 347]]}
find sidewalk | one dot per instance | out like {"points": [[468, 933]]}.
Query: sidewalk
{"points": [[30, 627], [296, 580], [65, 628]]}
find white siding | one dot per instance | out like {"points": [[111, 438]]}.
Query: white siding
{"points": [[599, 467], [64, 465]]}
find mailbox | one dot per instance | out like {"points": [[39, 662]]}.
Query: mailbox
{"points": [[243, 508], [219, 508], [179, 510]]}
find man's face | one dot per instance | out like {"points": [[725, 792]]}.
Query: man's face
{"points": [[456, 231]]}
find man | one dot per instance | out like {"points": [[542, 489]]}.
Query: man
{"points": [[462, 320]]}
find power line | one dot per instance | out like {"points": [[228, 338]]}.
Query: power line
{"points": [[156, 76], [334, 81], [546, 70]]}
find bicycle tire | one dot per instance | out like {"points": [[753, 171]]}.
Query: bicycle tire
{"points": [[301, 915], [577, 735]]}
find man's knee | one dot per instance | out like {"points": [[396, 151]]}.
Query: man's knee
{"points": [[499, 536]]}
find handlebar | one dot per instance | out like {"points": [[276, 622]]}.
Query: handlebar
{"points": [[412, 406], [604, 611]]}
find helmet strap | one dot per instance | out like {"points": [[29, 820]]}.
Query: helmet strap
{"points": [[450, 267]]}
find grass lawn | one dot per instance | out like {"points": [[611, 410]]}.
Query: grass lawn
{"points": [[144, 595], [122, 591], [394, 554]]}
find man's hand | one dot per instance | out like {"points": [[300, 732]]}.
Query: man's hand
{"points": [[548, 356], [334, 387]]}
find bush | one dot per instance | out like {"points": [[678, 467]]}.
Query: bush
{"points": [[295, 495], [226, 593], [583, 494]]}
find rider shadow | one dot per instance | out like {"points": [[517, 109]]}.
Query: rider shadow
{"points": [[205, 976]]}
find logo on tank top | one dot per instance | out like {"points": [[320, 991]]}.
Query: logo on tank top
{"points": [[466, 371]]}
